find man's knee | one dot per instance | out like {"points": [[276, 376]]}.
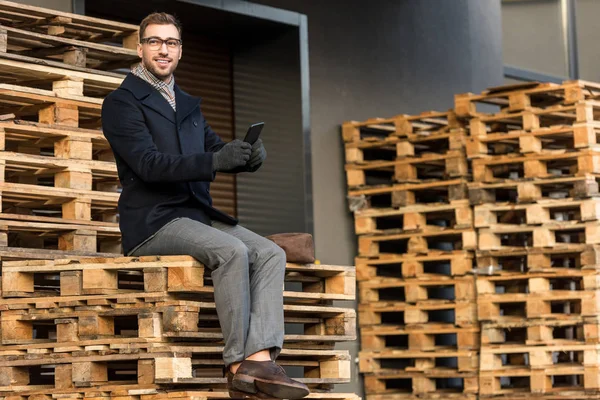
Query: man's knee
{"points": [[272, 251]]}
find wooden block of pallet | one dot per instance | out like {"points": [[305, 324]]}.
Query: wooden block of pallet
{"points": [[392, 147], [457, 214], [417, 290], [580, 135], [458, 313], [438, 395], [397, 361], [563, 234], [526, 95], [406, 194], [421, 241], [551, 259], [515, 307], [542, 212], [421, 384], [424, 124], [432, 265], [574, 330], [425, 338], [533, 190], [409, 169]]}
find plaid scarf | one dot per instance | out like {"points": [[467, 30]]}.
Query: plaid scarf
{"points": [[166, 89]]}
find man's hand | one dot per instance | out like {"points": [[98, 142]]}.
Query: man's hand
{"points": [[234, 154], [258, 155]]}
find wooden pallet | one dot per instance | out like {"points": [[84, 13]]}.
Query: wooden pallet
{"points": [[420, 241], [47, 107], [417, 290], [34, 73], [453, 164], [506, 237], [427, 337], [554, 259], [405, 194], [46, 233], [556, 304], [395, 361], [544, 211], [555, 163], [553, 379], [525, 95], [68, 25], [538, 282], [157, 274], [173, 364], [457, 214], [533, 190], [38, 327], [393, 147], [458, 313], [432, 265], [535, 118], [425, 124], [82, 53], [532, 332], [577, 136], [436, 381]]}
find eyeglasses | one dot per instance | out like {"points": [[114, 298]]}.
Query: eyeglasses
{"points": [[155, 43]]}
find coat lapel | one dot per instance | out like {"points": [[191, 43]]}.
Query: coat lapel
{"points": [[185, 104], [149, 96]]}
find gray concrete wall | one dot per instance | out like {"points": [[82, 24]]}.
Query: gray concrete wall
{"points": [[382, 58]]}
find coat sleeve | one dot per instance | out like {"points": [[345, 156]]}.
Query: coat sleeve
{"points": [[124, 127]]}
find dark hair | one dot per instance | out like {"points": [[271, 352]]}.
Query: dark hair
{"points": [[159, 19]]}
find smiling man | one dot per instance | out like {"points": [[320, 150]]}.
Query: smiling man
{"points": [[166, 156]]}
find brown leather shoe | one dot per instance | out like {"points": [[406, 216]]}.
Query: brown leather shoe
{"points": [[235, 394], [269, 378]]}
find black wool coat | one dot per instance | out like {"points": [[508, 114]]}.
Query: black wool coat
{"points": [[164, 159]]}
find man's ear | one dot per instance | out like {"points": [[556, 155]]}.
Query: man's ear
{"points": [[139, 50]]}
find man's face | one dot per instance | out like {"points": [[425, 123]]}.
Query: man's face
{"points": [[162, 61]]}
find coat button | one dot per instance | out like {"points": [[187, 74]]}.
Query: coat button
{"points": [[195, 123]]}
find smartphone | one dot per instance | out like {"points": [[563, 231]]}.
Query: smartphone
{"points": [[254, 132]]}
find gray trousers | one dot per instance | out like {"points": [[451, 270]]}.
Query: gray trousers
{"points": [[247, 272]]}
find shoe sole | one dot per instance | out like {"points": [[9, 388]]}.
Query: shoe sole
{"points": [[251, 384]]}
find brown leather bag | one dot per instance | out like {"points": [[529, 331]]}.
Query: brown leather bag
{"points": [[299, 247]]}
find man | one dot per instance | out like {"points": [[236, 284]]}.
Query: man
{"points": [[166, 156]]}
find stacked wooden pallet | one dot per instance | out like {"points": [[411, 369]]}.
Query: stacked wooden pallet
{"points": [[407, 179], [58, 180], [535, 195], [130, 327]]}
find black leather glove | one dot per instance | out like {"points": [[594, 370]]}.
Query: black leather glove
{"points": [[258, 155], [234, 154]]}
